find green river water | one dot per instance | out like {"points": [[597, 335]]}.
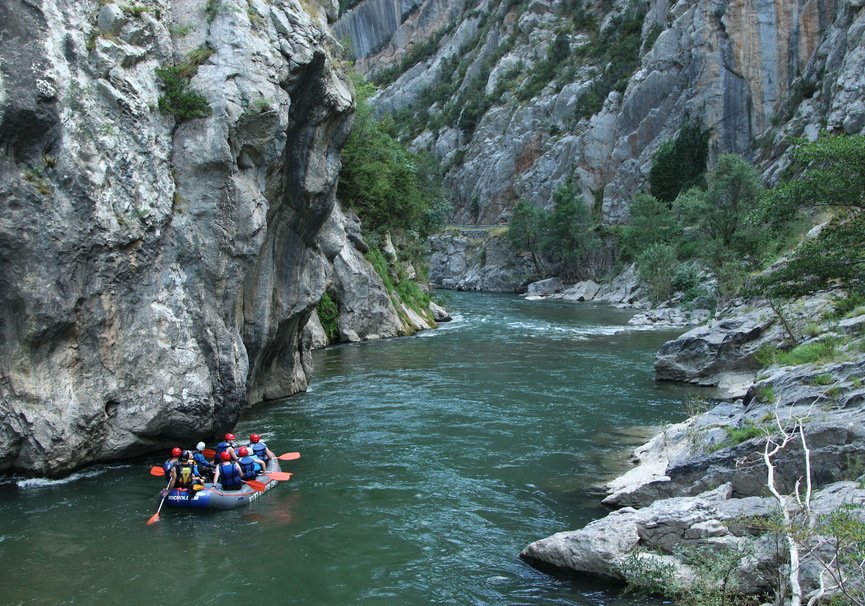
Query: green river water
{"points": [[428, 464]]}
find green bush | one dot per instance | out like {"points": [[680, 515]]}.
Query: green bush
{"points": [[766, 354], [328, 315], [179, 99], [655, 266]]}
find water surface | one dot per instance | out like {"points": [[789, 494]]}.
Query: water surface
{"points": [[428, 464]]}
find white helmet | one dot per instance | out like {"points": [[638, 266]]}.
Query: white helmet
{"points": [[199, 446]]}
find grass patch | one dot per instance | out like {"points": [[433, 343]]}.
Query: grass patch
{"points": [[766, 393], [824, 350], [823, 379], [737, 435]]}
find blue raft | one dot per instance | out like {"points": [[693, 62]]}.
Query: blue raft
{"points": [[213, 497]]}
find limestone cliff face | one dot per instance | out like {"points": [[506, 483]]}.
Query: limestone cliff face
{"points": [[155, 275], [756, 73]]}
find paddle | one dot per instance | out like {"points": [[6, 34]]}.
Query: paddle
{"points": [[255, 485], [155, 517], [289, 456], [156, 470], [279, 475], [208, 453]]}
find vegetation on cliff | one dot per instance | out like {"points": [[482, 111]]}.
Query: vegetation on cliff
{"points": [[398, 196], [393, 190]]}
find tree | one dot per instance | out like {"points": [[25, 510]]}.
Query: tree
{"points": [[568, 237], [652, 222], [828, 175], [526, 230], [722, 213]]}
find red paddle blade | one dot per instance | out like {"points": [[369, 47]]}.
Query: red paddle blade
{"points": [[282, 476], [209, 453], [153, 519], [289, 456], [256, 485], [156, 470]]}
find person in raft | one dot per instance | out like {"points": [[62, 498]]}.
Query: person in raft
{"points": [[205, 467], [227, 445], [185, 476], [228, 473], [251, 466], [260, 449], [172, 461]]}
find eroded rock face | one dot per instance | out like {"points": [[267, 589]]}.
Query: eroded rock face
{"points": [[157, 276]]}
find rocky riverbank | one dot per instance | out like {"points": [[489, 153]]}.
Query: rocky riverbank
{"points": [[703, 483]]}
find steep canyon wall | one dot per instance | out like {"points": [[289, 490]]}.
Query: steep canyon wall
{"points": [[755, 73], [158, 273]]}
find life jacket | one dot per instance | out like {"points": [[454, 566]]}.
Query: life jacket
{"points": [[222, 447], [185, 474], [259, 449], [248, 465], [168, 465], [229, 477], [203, 463]]}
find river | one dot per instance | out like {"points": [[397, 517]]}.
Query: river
{"points": [[428, 464]]}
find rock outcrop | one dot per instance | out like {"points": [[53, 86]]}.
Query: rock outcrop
{"points": [[478, 260], [158, 272], [694, 484]]}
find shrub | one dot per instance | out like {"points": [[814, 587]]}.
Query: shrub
{"points": [[655, 266], [822, 379], [328, 315], [766, 393], [179, 99], [766, 354]]}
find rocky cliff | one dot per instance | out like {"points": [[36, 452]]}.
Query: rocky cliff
{"points": [[159, 268], [517, 97]]}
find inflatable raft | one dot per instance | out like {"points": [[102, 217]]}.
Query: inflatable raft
{"points": [[213, 497]]}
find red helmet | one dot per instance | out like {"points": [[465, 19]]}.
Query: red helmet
{"points": [[254, 438], [176, 452], [243, 451], [225, 456], [229, 437]]}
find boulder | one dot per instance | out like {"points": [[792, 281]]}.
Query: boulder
{"points": [[543, 288], [621, 289], [703, 353], [581, 291]]}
